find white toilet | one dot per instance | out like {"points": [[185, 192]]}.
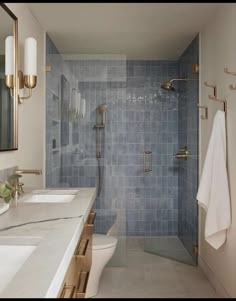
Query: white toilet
{"points": [[103, 248]]}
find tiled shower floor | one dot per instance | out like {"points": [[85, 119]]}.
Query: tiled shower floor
{"points": [[144, 275]]}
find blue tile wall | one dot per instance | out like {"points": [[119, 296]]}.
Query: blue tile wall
{"points": [[188, 136], [141, 117]]}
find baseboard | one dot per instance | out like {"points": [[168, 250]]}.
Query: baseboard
{"points": [[220, 290]]}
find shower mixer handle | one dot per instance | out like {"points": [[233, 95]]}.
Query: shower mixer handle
{"points": [[182, 154]]}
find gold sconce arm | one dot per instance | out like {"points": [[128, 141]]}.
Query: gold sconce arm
{"points": [[21, 98], [28, 81]]}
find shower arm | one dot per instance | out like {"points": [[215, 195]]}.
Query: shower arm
{"points": [[182, 79]]}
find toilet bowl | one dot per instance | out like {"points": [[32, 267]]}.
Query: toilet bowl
{"points": [[103, 248]]}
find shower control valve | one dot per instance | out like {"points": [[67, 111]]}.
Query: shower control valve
{"points": [[182, 154]]}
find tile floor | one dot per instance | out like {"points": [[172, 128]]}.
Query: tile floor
{"points": [[150, 276]]}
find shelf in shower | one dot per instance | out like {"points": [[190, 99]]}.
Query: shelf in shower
{"points": [[54, 94], [56, 121], [55, 150]]}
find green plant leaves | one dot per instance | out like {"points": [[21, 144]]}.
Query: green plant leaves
{"points": [[6, 191]]}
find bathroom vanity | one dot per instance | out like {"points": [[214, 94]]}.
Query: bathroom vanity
{"points": [[54, 239], [76, 279]]}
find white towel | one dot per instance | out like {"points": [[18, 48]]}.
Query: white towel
{"points": [[213, 192]]}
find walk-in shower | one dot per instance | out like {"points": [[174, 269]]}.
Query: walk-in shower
{"points": [[100, 140], [145, 201]]}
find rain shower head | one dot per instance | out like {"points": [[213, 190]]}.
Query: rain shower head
{"points": [[169, 86]]}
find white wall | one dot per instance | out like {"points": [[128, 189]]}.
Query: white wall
{"points": [[218, 50], [30, 152]]}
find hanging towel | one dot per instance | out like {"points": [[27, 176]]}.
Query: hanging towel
{"points": [[213, 192]]}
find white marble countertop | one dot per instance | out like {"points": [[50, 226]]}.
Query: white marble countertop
{"points": [[44, 270]]}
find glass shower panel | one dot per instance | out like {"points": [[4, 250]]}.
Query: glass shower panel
{"points": [[175, 216]]}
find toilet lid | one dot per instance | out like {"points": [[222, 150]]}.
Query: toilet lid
{"points": [[103, 241]]}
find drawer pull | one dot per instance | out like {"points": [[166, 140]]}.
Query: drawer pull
{"points": [[81, 250], [91, 219], [82, 284], [71, 289]]}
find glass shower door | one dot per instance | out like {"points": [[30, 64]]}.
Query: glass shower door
{"points": [[171, 186]]}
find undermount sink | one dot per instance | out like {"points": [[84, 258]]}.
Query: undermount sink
{"points": [[12, 258], [49, 198], [56, 191]]}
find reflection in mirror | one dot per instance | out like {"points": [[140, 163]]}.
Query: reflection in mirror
{"points": [[8, 102]]}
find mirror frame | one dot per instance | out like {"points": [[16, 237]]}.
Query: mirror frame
{"points": [[16, 87]]}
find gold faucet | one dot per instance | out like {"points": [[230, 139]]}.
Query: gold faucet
{"points": [[28, 171], [18, 186]]}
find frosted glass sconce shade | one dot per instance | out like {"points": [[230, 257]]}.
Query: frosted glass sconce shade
{"points": [[9, 55], [30, 57]]}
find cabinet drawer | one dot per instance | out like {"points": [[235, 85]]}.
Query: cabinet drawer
{"points": [[91, 219], [82, 247], [68, 291], [77, 275], [70, 280], [80, 289]]}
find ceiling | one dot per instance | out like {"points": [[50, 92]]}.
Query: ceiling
{"points": [[137, 30]]}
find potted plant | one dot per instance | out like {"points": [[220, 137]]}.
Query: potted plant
{"points": [[7, 192]]}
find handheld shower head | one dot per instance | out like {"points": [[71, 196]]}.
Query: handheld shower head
{"points": [[101, 111], [102, 108]]}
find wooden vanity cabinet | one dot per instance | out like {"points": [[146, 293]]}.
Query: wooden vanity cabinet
{"points": [[77, 275]]}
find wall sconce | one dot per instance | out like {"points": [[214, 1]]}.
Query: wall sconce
{"points": [[9, 62], [27, 79]]}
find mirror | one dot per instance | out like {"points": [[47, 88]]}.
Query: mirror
{"points": [[8, 97]]}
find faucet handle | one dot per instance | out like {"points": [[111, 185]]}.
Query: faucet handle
{"points": [[21, 190], [14, 179]]}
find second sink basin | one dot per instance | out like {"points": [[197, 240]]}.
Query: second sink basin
{"points": [[56, 191], [49, 198], [12, 259]]}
